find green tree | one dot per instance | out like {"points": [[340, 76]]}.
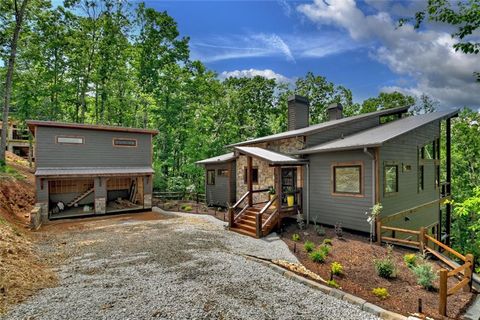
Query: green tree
{"points": [[387, 100]]}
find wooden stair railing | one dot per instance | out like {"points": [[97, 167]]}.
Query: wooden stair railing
{"points": [[80, 197], [232, 211], [259, 217]]}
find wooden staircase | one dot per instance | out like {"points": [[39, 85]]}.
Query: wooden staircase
{"points": [[80, 197], [247, 222]]}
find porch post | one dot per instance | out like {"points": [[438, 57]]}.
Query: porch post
{"points": [[448, 190], [278, 187], [249, 181]]}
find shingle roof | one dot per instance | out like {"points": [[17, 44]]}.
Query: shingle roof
{"points": [[218, 159], [84, 171], [322, 126], [37, 123], [377, 136], [269, 156]]}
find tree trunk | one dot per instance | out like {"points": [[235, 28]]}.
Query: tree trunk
{"points": [[19, 13]]}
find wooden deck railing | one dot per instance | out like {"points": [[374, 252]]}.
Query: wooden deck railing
{"points": [[179, 195], [427, 244]]}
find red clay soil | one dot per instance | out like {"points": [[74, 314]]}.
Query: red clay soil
{"points": [[22, 270], [356, 255]]}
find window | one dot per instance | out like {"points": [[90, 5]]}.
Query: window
{"points": [[254, 175], [347, 179], [421, 176], [211, 177], [222, 172], [122, 142], [70, 140], [390, 183]]}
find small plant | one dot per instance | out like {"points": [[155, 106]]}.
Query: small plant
{"points": [[385, 267], [325, 249], [337, 268], [289, 191], [186, 207], [300, 222], [309, 246], [271, 190], [318, 256], [328, 242], [372, 217], [295, 237], [318, 229], [333, 283], [410, 260], [382, 293], [425, 275], [339, 230]]}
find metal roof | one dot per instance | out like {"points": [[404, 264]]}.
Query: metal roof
{"points": [[377, 136], [218, 159], [322, 126], [98, 171], [37, 123], [270, 156]]}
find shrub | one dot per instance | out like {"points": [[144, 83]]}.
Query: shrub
{"points": [[295, 237], [320, 230], [333, 283], [410, 260], [385, 268], [425, 275], [186, 207], [328, 242], [325, 249], [382, 293], [318, 256], [337, 268], [300, 222], [309, 246]]}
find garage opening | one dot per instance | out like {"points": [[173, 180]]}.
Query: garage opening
{"points": [[124, 194], [71, 197]]}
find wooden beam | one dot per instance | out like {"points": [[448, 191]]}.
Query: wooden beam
{"points": [[442, 304], [250, 180], [410, 211], [278, 186]]}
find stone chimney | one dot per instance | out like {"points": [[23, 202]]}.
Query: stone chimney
{"points": [[335, 111], [298, 114]]}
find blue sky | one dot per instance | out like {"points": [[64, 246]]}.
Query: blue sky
{"points": [[355, 44]]}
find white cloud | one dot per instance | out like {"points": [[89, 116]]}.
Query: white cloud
{"points": [[286, 7], [426, 56], [250, 73]]}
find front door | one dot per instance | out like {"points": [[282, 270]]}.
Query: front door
{"points": [[289, 182]]}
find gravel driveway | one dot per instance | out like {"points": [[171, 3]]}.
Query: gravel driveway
{"points": [[182, 267]]}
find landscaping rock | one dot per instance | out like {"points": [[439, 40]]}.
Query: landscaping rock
{"points": [[374, 309]]}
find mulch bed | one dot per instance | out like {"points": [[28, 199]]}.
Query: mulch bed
{"points": [[356, 255]]}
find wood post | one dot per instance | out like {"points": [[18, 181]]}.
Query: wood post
{"points": [[379, 231], [422, 240], [442, 304], [250, 180], [258, 224], [469, 272], [278, 187], [230, 217]]}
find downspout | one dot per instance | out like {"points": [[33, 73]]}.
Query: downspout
{"points": [[307, 193], [365, 150]]}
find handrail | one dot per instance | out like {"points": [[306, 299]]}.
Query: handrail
{"points": [[260, 190], [240, 213], [269, 218], [241, 200], [446, 248], [269, 203]]}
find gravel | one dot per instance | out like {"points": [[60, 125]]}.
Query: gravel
{"points": [[184, 267]]}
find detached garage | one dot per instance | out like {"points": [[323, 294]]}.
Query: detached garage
{"points": [[91, 170]]}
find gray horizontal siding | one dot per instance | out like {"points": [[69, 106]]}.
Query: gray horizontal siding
{"points": [[403, 150], [341, 130], [98, 150], [332, 209], [219, 193]]}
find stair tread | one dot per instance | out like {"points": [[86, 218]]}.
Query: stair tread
{"points": [[244, 232]]}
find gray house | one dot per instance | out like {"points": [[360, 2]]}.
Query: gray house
{"points": [[337, 170], [91, 169]]}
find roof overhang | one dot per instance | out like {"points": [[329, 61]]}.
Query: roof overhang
{"points": [[272, 157], [32, 124], [96, 172], [224, 158]]}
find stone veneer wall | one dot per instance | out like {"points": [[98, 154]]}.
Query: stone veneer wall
{"points": [[266, 176]]}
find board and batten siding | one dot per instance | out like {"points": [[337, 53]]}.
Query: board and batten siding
{"points": [[330, 209], [341, 130], [223, 190], [97, 150], [403, 151]]}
